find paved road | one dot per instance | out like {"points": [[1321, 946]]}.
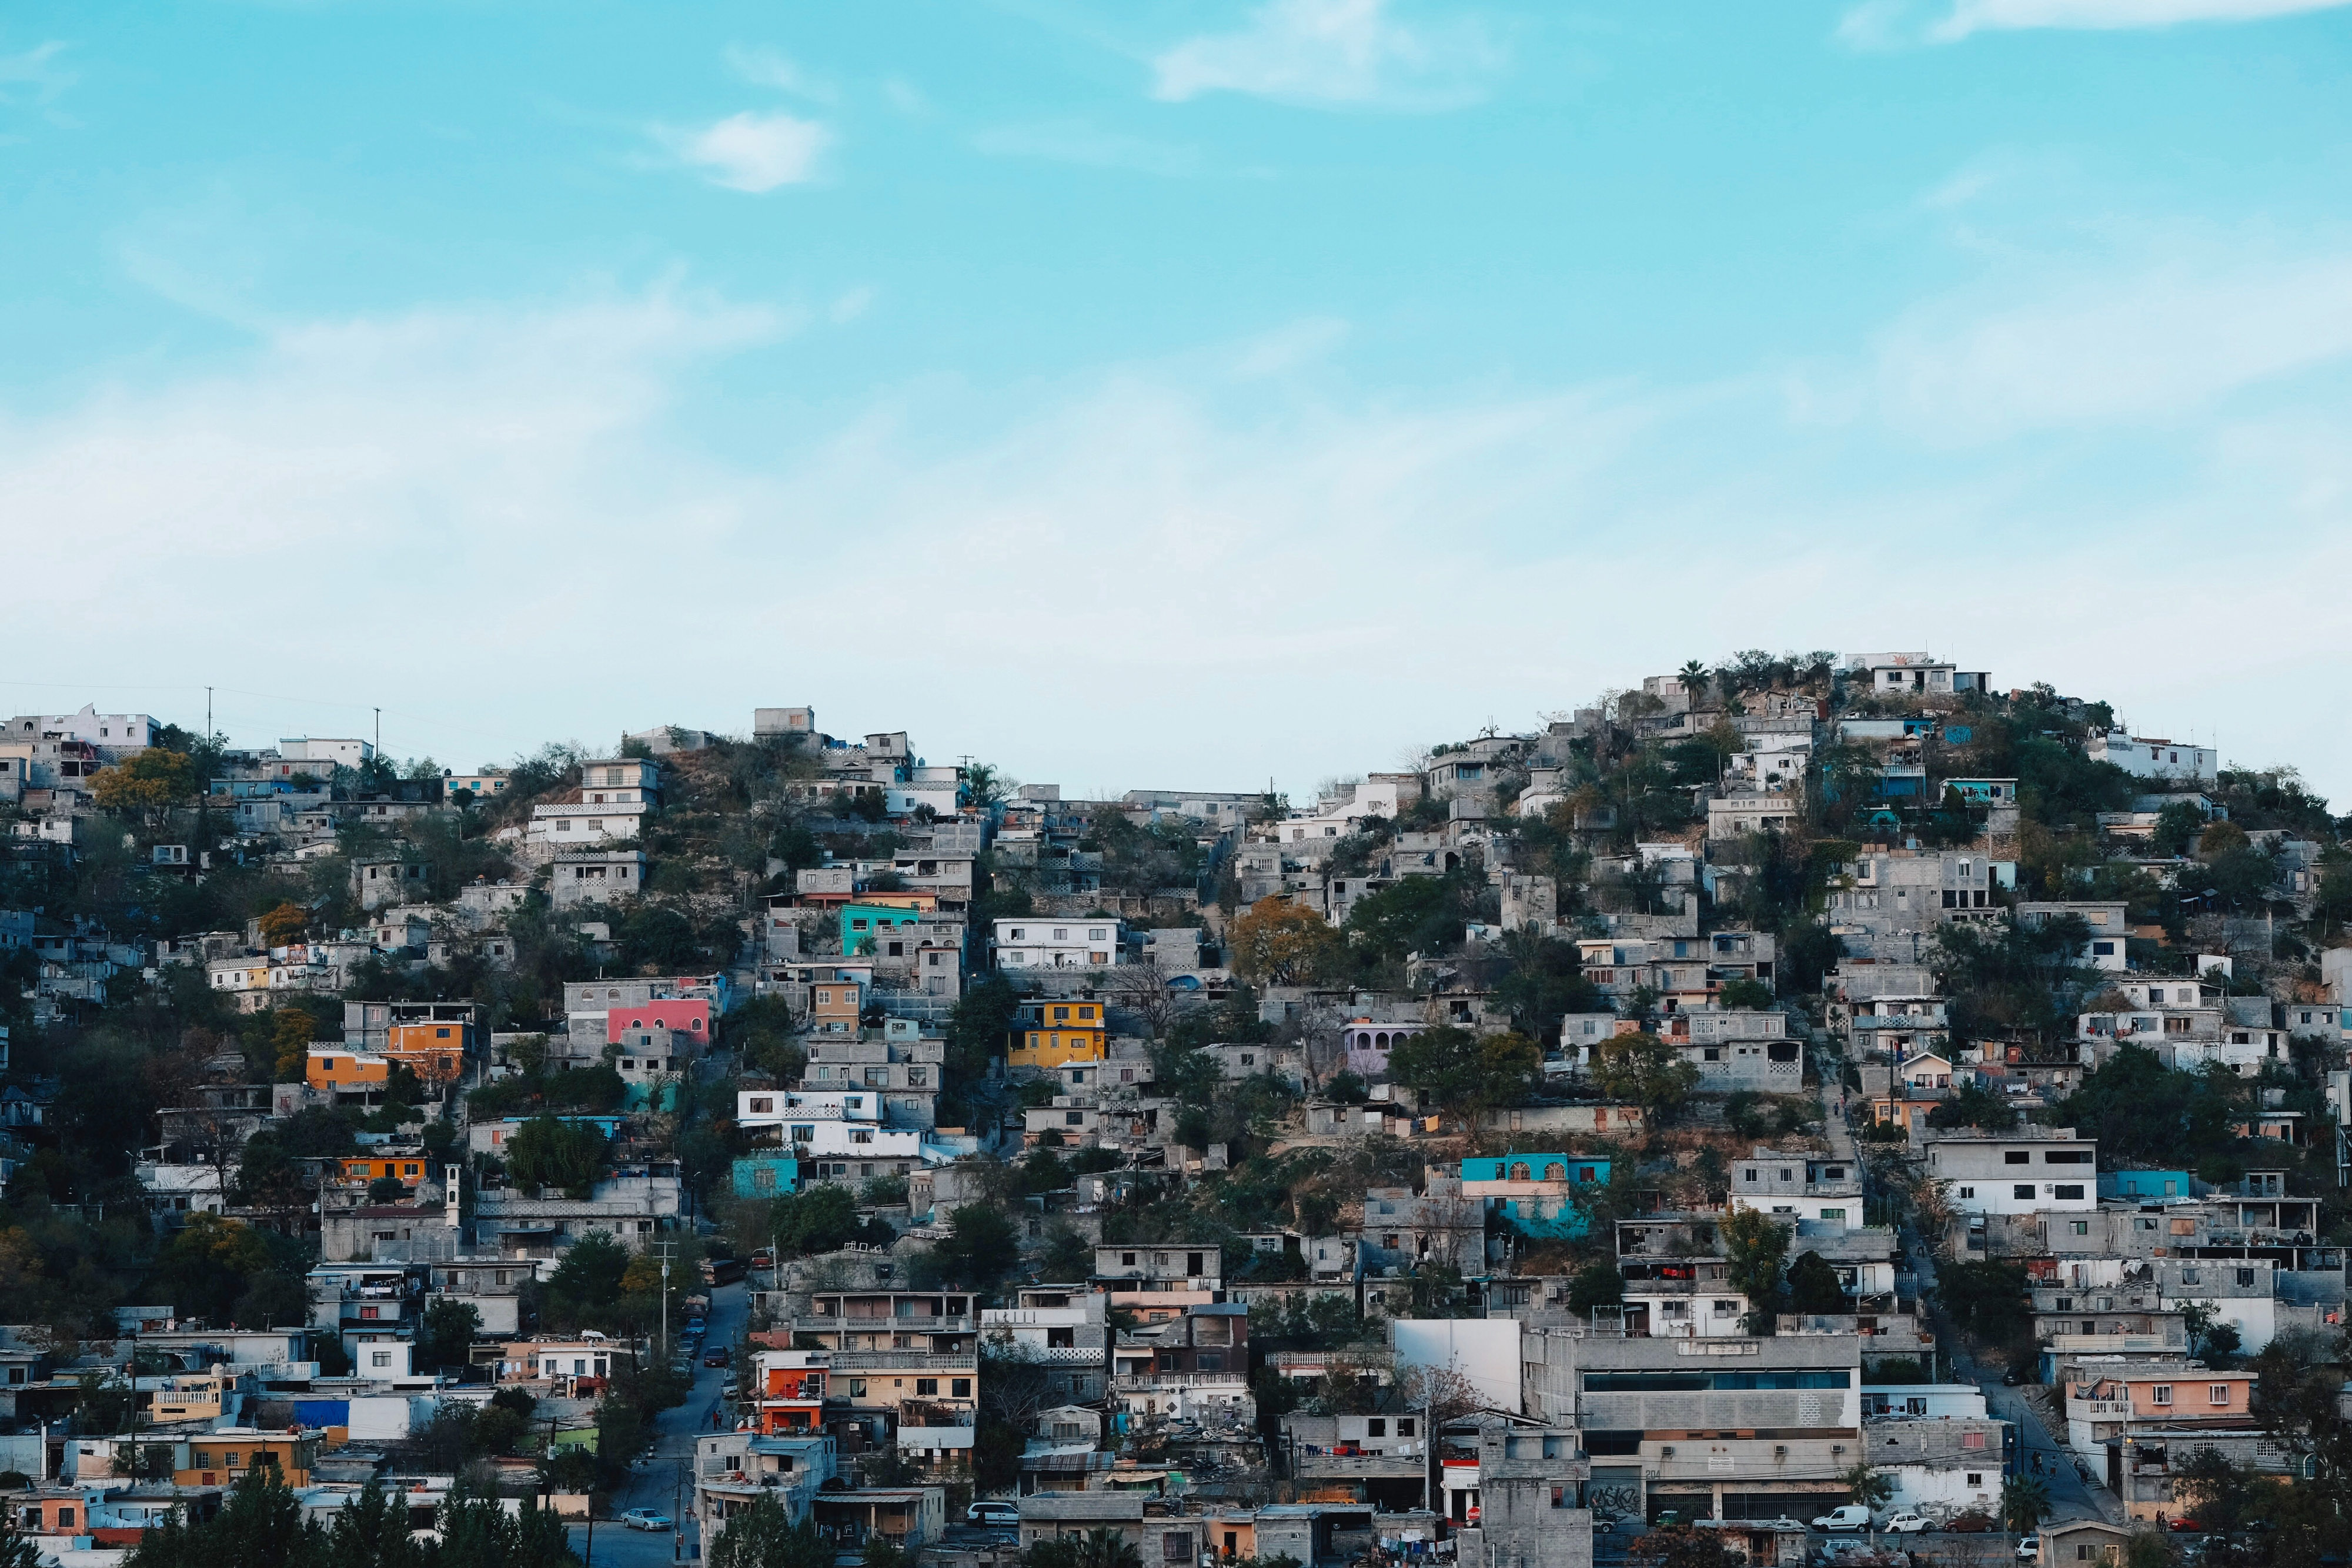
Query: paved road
{"points": [[2069, 1496], [657, 1482]]}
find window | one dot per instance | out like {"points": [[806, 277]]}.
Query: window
{"points": [[2022, 1190], [1376, 1427], [2017, 1156], [1976, 1478], [2217, 1393], [2068, 1190], [1969, 1440], [1404, 1425], [2082, 1226], [1563, 1497], [1968, 1192], [961, 1387], [2161, 1395], [929, 1385]]}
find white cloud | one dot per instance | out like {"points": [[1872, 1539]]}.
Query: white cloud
{"points": [[1334, 52], [1290, 575], [1888, 23], [38, 74], [1075, 142], [2157, 343], [768, 67], [755, 152]]}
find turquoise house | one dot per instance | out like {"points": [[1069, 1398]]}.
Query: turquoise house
{"points": [[875, 922], [1536, 1192], [2145, 1187], [766, 1176]]}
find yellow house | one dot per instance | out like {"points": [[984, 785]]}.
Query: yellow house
{"points": [[345, 1069], [223, 1457], [1053, 1033]]}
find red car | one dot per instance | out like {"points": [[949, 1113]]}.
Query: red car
{"points": [[2184, 1524]]}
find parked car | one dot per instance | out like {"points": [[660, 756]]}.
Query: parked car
{"points": [[993, 1510], [645, 1518], [716, 1358], [730, 1389], [1908, 1522], [1975, 1522], [2029, 1549], [1852, 1516], [1783, 1522], [2184, 1525]]}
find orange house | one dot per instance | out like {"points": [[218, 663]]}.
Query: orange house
{"points": [[359, 1172], [345, 1069], [436, 1052], [790, 1392], [834, 1007]]}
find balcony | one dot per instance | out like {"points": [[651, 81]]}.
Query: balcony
{"points": [[1140, 1382], [912, 1323], [1322, 1464], [958, 1363]]}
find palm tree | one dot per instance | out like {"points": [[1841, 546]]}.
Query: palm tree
{"points": [[1693, 681], [984, 785], [2024, 1502], [1109, 1549]]}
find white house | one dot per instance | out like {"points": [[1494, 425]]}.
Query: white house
{"points": [[1056, 941], [107, 731], [2146, 757], [2011, 1175], [335, 753], [584, 824], [1921, 673]]}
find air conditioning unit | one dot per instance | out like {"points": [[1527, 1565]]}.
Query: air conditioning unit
{"points": [[1667, 1452]]}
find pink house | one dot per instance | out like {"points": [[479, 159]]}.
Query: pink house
{"points": [[689, 1016]]}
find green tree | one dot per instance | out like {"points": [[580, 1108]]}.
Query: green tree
{"points": [[1595, 1285], [764, 1536], [2024, 1502], [1463, 1073], [1756, 1244], [445, 1336], [1872, 1489], [260, 1526], [548, 1151], [1744, 993], [587, 1281], [1646, 1070], [1813, 1286], [1109, 1549], [1545, 981], [1987, 1299], [981, 1247]]}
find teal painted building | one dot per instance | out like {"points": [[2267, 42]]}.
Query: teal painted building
{"points": [[766, 1176], [1537, 1193], [878, 924], [2145, 1187]]}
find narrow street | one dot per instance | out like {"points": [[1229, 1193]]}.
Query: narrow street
{"points": [[2071, 1497], [663, 1480]]}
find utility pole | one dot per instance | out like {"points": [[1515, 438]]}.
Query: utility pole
{"points": [[666, 1248], [379, 735], [208, 715]]}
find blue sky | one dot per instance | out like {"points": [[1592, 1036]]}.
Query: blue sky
{"points": [[1152, 395]]}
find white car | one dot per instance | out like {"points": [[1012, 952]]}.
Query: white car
{"points": [[2029, 1549], [992, 1511], [1852, 1516], [645, 1518], [1906, 1523]]}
